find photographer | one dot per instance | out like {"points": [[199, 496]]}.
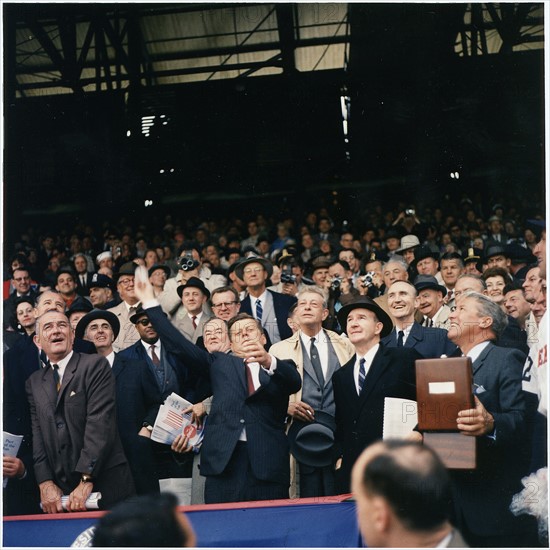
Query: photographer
{"points": [[292, 272], [372, 283], [340, 293], [190, 265]]}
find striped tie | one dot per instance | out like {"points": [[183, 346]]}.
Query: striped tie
{"points": [[56, 378], [361, 375], [400, 335], [259, 310]]}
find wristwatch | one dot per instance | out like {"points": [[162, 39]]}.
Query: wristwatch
{"points": [[85, 478], [148, 426]]}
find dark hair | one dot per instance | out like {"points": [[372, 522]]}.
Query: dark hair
{"points": [[143, 521], [221, 289], [511, 286], [420, 496], [495, 272], [14, 323], [240, 317], [452, 256], [343, 263]]}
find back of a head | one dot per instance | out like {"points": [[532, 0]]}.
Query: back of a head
{"points": [[414, 482], [145, 521]]}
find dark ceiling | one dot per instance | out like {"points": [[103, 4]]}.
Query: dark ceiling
{"points": [[110, 105]]}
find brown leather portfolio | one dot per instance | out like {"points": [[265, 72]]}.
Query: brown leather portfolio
{"points": [[456, 451], [443, 387]]}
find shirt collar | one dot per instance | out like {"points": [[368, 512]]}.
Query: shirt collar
{"points": [[476, 351]]}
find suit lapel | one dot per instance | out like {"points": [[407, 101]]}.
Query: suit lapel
{"points": [[415, 335], [68, 375], [378, 366], [478, 363], [48, 385], [118, 365]]}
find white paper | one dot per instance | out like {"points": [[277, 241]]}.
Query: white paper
{"points": [[92, 502], [11, 444], [438, 388], [400, 417], [171, 421]]}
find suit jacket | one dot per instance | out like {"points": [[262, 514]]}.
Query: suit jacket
{"points": [[428, 342], [359, 418], [281, 305], [20, 361], [84, 290], [75, 430], [185, 326], [128, 334], [262, 414], [482, 496], [137, 401]]}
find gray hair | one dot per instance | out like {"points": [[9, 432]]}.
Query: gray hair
{"points": [[312, 289], [396, 260], [487, 308], [475, 278]]}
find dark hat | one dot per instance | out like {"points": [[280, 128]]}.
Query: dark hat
{"points": [[230, 251], [392, 233], [253, 259], [423, 252], [364, 302], [311, 442], [519, 254], [233, 266], [164, 268], [196, 283], [80, 304], [375, 255], [423, 282], [111, 318], [495, 250], [101, 281], [129, 268], [473, 255], [321, 262], [140, 312]]}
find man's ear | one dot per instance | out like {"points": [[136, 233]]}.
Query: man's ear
{"points": [[325, 313], [36, 341], [381, 515]]}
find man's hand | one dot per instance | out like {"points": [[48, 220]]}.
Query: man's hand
{"points": [[476, 421], [338, 464], [181, 444], [255, 353], [78, 498], [301, 411], [198, 411], [12, 466], [290, 288], [345, 286], [142, 287], [415, 437], [50, 497], [144, 432]]}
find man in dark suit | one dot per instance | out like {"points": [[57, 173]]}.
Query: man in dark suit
{"points": [[360, 386], [500, 424], [429, 342], [270, 308], [21, 495], [137, 396], [21, 281], [76, 445], [244, 453], [82, 275]]}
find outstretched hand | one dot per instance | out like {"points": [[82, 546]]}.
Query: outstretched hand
{"points": [[142, 287]]}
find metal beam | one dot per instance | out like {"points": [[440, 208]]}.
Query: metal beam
{"points": [[285, 24]]}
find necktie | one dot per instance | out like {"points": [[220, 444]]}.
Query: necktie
{"points": [[316, 362], [361, 375], [83, 280], [56, 378], [154, 356], [249, 381], [259, 310], [450, 296], [400, 335], [131, 311], [194, 319]]}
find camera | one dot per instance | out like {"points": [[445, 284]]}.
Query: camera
{"points": [[410, 212], [336, 283], [287, 276], [187, 262], [368, 279]]}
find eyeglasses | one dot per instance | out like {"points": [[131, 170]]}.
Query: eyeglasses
{"points": [[143, 322], [20, 279], [126, 282], [252, 269], [223, 304]]}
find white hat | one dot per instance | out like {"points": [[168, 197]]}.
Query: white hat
{"points": [[407, 242], [103, 256]]}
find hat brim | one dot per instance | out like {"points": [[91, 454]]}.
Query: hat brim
{"points": [[381, 315], [430, 286], [164, 268], [110, 317], [311, 443], [433, 255], [239, 270], [203, 289]]}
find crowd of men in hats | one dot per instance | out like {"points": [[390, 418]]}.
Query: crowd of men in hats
{"points": [[286, 344]]}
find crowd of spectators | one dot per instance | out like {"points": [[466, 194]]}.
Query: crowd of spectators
{"points": [[184, 319]]}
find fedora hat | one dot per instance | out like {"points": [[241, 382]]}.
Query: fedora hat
{"points": [[311, 442], [364, 302], [266, 264], [423, 282], [164, 268], [423, 252], [111, 318], [196, 283], [408, 242], [129, 268]]}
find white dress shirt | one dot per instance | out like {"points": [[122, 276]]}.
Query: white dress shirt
{"points": [[368, 357]]}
